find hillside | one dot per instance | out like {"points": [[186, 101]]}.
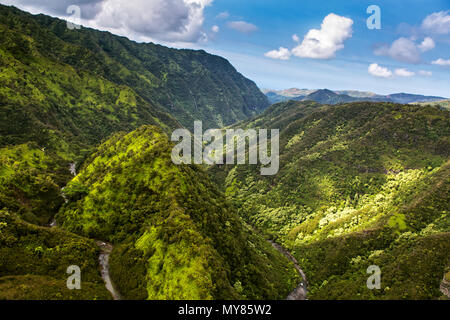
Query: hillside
{"points": [[62, 92], [359, 184], [65, 91], [111, 72], [175, 235]]}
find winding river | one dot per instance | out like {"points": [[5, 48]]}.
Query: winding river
{"points": [[301, 291]]}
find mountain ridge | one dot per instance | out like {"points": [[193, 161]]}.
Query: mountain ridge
{"points": [[326, 96]]}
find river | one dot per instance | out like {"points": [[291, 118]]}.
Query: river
{"points": [[301, 291]]}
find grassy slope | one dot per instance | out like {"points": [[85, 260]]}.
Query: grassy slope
{"points": [[175, 235], [346, 195]]}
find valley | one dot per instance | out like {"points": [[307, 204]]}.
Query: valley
{"points": [[87, 179]]}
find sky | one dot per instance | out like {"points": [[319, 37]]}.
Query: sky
{"points": [[283, 44]]}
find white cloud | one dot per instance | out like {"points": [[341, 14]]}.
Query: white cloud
{"points": [[378, 71], [215, 29], [403, 73], [402, 49], [441, 62], [242, 26], [281, 54], [223, 15], [425, 73], [170, 21], [295, 38], [324, 43], [438, 22], [427, 44]]}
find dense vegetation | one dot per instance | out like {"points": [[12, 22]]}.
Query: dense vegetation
{"points": [[30, 182], [33, 262], [360, 184], [175, 235]]}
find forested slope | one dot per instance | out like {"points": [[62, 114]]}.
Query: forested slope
{"points": [[359, 184], [176, 237]]}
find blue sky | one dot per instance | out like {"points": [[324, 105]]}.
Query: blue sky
{"points": [[410, 53], [277, 21]]}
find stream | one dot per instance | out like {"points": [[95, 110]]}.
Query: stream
{"points": [[301, 291], [103, 259]]}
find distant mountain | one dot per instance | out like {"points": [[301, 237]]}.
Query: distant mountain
{"points": [[357, 94], [276, 96], [325, 96], [291, 93]]}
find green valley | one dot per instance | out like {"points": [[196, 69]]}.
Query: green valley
{"points": [[360, 184], [87, 177]]}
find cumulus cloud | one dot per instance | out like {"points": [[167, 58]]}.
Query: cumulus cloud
{"points": [[168, 20], [165, 20], [404, 73], [281, 54], [242, 26], [295, 38], [215, 29], [425, 73], [323, 43], [379, 71], [438, 22], [427, 44], [405, 50], [441, 62]]}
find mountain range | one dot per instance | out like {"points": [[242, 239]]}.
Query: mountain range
{"points": [[326, 96]]}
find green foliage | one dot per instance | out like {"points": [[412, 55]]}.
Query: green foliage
{"points": [[30, 181], [173, 230]]}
